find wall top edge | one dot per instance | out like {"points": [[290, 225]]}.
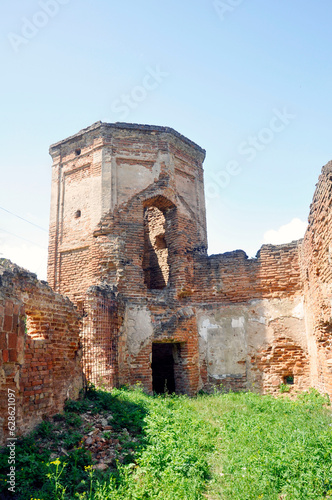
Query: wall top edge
{"points": [[127, 126]]}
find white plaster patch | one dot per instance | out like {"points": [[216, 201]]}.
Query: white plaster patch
{"points": [[205, 327], [262, 320], [217, 376], [139, 328], [298, 311], [238, 322]]}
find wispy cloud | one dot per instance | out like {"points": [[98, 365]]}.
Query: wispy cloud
{"points": [[294, 230]]}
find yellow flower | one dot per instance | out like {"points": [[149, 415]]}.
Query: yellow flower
{"points": [[56, 462], [87, 467]]}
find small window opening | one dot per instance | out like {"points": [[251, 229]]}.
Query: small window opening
{"points": [[289, 379], [78, 214], [77, 151]]}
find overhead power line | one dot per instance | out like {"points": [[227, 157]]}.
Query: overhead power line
{"points": [[22, 218], [21, 238]]}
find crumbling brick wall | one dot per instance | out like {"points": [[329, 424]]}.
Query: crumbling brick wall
{"points": [[147, 240], [233, 278], [316, 266], [243, 306], [281, 362], [40, 348]]}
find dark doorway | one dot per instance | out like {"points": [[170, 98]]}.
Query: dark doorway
{"points": [[163, 379]]}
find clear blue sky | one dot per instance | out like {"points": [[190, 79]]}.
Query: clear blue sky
{"points": [[227, 74]]}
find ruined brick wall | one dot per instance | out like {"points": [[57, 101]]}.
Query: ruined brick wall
{"points": [[243, 306], [233, 278], [128, 212], [316, 266], [234, 337], [40, 352]]}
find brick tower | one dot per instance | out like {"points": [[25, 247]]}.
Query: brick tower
{"points": [[127, 208], [128, 213]]}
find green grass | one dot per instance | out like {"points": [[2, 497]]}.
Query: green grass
{"points": [[270, 448], [222, 446]]}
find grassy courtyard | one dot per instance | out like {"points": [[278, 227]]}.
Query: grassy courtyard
{"points": [[131, 446]]}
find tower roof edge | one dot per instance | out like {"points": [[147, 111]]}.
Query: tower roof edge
{"points": [[129, 126]]}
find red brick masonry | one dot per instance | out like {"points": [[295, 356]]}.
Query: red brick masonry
{"points": [[40, 353]]}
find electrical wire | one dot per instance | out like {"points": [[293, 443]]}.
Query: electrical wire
{"points": [[21, 238], [22, 218]]}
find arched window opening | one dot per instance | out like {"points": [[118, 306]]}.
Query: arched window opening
{"points": [[155, 260]]}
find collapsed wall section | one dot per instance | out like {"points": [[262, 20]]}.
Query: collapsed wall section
{"points": [[40, 349]]}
